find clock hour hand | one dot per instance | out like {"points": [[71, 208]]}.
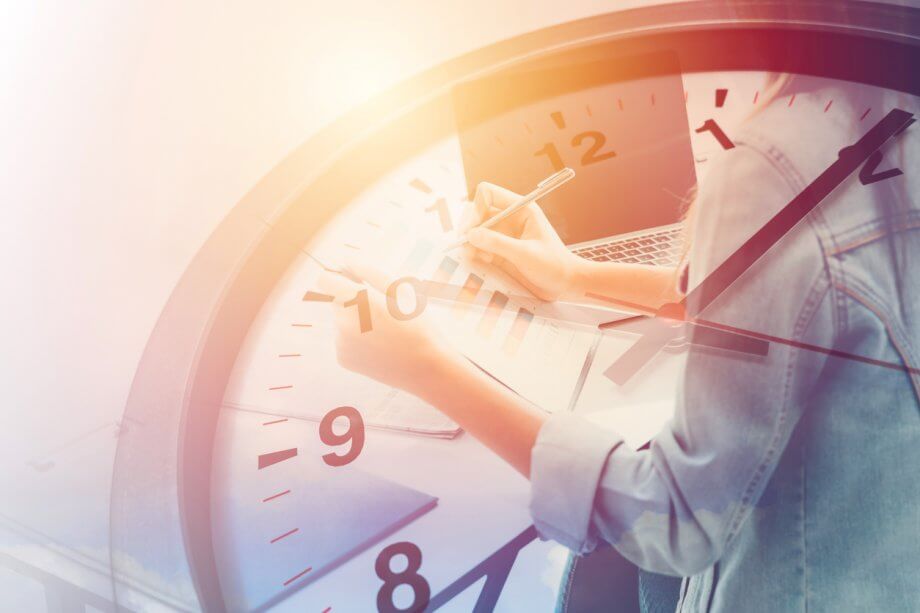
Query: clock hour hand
{"points": [[662, 330], [849, 159], [638, 355]]}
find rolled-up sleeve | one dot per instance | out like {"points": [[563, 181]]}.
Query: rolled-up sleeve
{"points": [[564, 483], [672, 507]]}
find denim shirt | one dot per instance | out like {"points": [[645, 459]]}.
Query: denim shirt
{"points": [[789, 482]]}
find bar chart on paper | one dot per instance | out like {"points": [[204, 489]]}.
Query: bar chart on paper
{"points": [[491, 322]]}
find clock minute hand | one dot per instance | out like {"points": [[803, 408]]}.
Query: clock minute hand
{"points": [[849, 159]]}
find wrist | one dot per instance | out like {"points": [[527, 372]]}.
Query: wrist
{"points": [[442, 361], [577, 276]]}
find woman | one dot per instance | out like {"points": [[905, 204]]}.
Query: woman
{"points": [[783, 483]]}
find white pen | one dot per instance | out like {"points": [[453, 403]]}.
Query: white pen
{"points": [[544, 187]]}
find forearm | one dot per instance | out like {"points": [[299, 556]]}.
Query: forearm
{"points": [[492, 413], [649, 286], [487, 410]]}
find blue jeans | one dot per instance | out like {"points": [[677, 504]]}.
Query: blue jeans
{"points": [[605, 581], [658, 593]]}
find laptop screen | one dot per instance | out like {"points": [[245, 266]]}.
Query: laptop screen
{"points": [[627, 138]]}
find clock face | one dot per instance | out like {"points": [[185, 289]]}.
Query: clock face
{"points": [[307, 488], [286, 377]]}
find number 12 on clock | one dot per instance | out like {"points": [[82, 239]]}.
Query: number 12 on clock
{"points": [[592, 153]]}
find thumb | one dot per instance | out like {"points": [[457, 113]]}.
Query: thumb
{"points": [[502, 245]]}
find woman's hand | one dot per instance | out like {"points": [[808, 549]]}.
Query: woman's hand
{"points": [[525, 245], [411, 355], [402, 354]]}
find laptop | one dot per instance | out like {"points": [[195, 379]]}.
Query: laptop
{"points": [[626, 136]]}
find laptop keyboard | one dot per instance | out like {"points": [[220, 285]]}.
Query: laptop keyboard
{"points": [[657, 248]]}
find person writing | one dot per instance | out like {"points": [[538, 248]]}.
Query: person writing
{"points": [[782, 483]]}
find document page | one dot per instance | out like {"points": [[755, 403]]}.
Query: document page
{"points": [[492, 320]]}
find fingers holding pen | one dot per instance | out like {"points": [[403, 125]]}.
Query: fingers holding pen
{"points": [[491, 200]]}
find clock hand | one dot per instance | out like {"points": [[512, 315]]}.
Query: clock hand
{"points": [[714, 334], [700, 333], [590, 315], [849, 159], [693, 331], [495, 568], [905, 367]]}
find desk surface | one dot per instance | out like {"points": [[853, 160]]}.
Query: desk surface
{"points": [[482, 504]]}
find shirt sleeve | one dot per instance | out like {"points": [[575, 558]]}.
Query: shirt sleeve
{"points": [[673, 507]]}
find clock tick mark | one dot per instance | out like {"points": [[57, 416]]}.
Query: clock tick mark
{"points": [[312, 296], [756, 95], [286, 534], [653, 99], [791, 100], [420, 186], [301, 325], [721, 94], [298, 576], [273, 457], [866, 112], [620, 103], [278, 495], [280, 387], [350, 246], [373, 224], [558, 119], [275, 421], [288, 355], [830, 102], [588, 110]]}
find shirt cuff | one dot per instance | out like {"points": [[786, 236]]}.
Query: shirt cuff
{"points": [[566, 465]]}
